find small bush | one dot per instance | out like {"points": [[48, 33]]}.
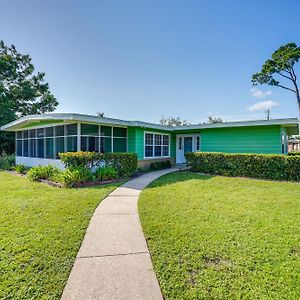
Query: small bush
{"points": [[76, 175], [293, 153], [22, 169], [124, 163], [159, 165], [266, 166], [7, 162], [48, 172], [106, 173]]}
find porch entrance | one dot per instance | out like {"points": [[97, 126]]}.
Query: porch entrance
{"points": [[186, 143]]}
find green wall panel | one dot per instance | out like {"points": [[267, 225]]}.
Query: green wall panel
{"points": [[263, 139]]}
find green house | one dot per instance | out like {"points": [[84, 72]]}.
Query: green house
{"points": [[39, 138]]}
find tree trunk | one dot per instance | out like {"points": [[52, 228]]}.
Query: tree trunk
{"points": [[298, 101]]}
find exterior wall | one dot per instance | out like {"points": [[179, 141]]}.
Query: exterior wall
{"points": [[145, 163], [263, 139], [34, 161]]}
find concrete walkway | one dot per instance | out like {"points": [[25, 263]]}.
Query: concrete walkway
{"points": [[114, 261]]}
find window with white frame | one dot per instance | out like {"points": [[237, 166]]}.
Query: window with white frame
{"points": [[156, 145]]}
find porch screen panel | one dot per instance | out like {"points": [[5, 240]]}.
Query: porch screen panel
{"points": [[119, 139]]}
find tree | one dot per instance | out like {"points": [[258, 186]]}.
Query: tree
{"points": [[214, 120], [281, 66], [173, 121], [21, 91]]}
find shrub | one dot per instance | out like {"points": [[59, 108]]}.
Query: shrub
{"points": [[7, 161], [74, 176], [80, 159], [293, 153], [267, 166], [124, 163], [158, 165], [22, 169], [48, 172], [106, 173]]}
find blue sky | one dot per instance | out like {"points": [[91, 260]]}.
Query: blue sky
{"points": [[138, 59]]}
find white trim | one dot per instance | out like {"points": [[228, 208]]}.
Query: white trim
{"points": [[73, 117], [153, 145], [79, 136]]}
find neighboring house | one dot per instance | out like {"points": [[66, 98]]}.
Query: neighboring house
{"points": [[294, 145], [39, 138]]}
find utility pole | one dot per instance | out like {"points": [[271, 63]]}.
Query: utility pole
{"points": [[268, 114]]}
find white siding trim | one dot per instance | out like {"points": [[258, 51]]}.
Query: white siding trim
{"points": [[35, 161]]}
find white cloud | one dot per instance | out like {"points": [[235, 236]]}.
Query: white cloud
{"points": [[256, 93], [263, 105]]}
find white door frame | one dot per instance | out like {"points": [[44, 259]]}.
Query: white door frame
{"points": [[180, 159]]}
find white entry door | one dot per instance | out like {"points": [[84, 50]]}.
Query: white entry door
{"points": [[185, 143]]}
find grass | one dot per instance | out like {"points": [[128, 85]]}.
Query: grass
{"points": [[41, 230], [223, 238]]}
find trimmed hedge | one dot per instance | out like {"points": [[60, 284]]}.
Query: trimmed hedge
{"points": [[293, 153], [124, 163], [265, 166]]}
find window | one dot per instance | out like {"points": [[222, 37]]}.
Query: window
{"points": [[19, 143], [60, 146], [49, 132], [120, 132], [120, 145], [19, 134], [105, 144], [71, 143], [40, 148], [197, 143], [89, 129], [59, 130], [32, 133], [105, 131], [180, 143], [71, 129], [19, 149], [40, 132], [25, 150], [157, 145], [49, 148], [32, 147], [119, 139]]}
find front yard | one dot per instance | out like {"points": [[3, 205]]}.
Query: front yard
{"points": [[223, 238], [41, 230]]}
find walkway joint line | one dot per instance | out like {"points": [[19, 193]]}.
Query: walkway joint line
{"points": [[110, 255]]}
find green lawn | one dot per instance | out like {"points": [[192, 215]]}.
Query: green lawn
{"points": [[41, 229], [223, 238]]}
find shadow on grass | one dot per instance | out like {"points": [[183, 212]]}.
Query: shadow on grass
{"points": [[175, 177]]}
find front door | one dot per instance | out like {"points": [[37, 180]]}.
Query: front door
{"points": [[185, 143]]}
